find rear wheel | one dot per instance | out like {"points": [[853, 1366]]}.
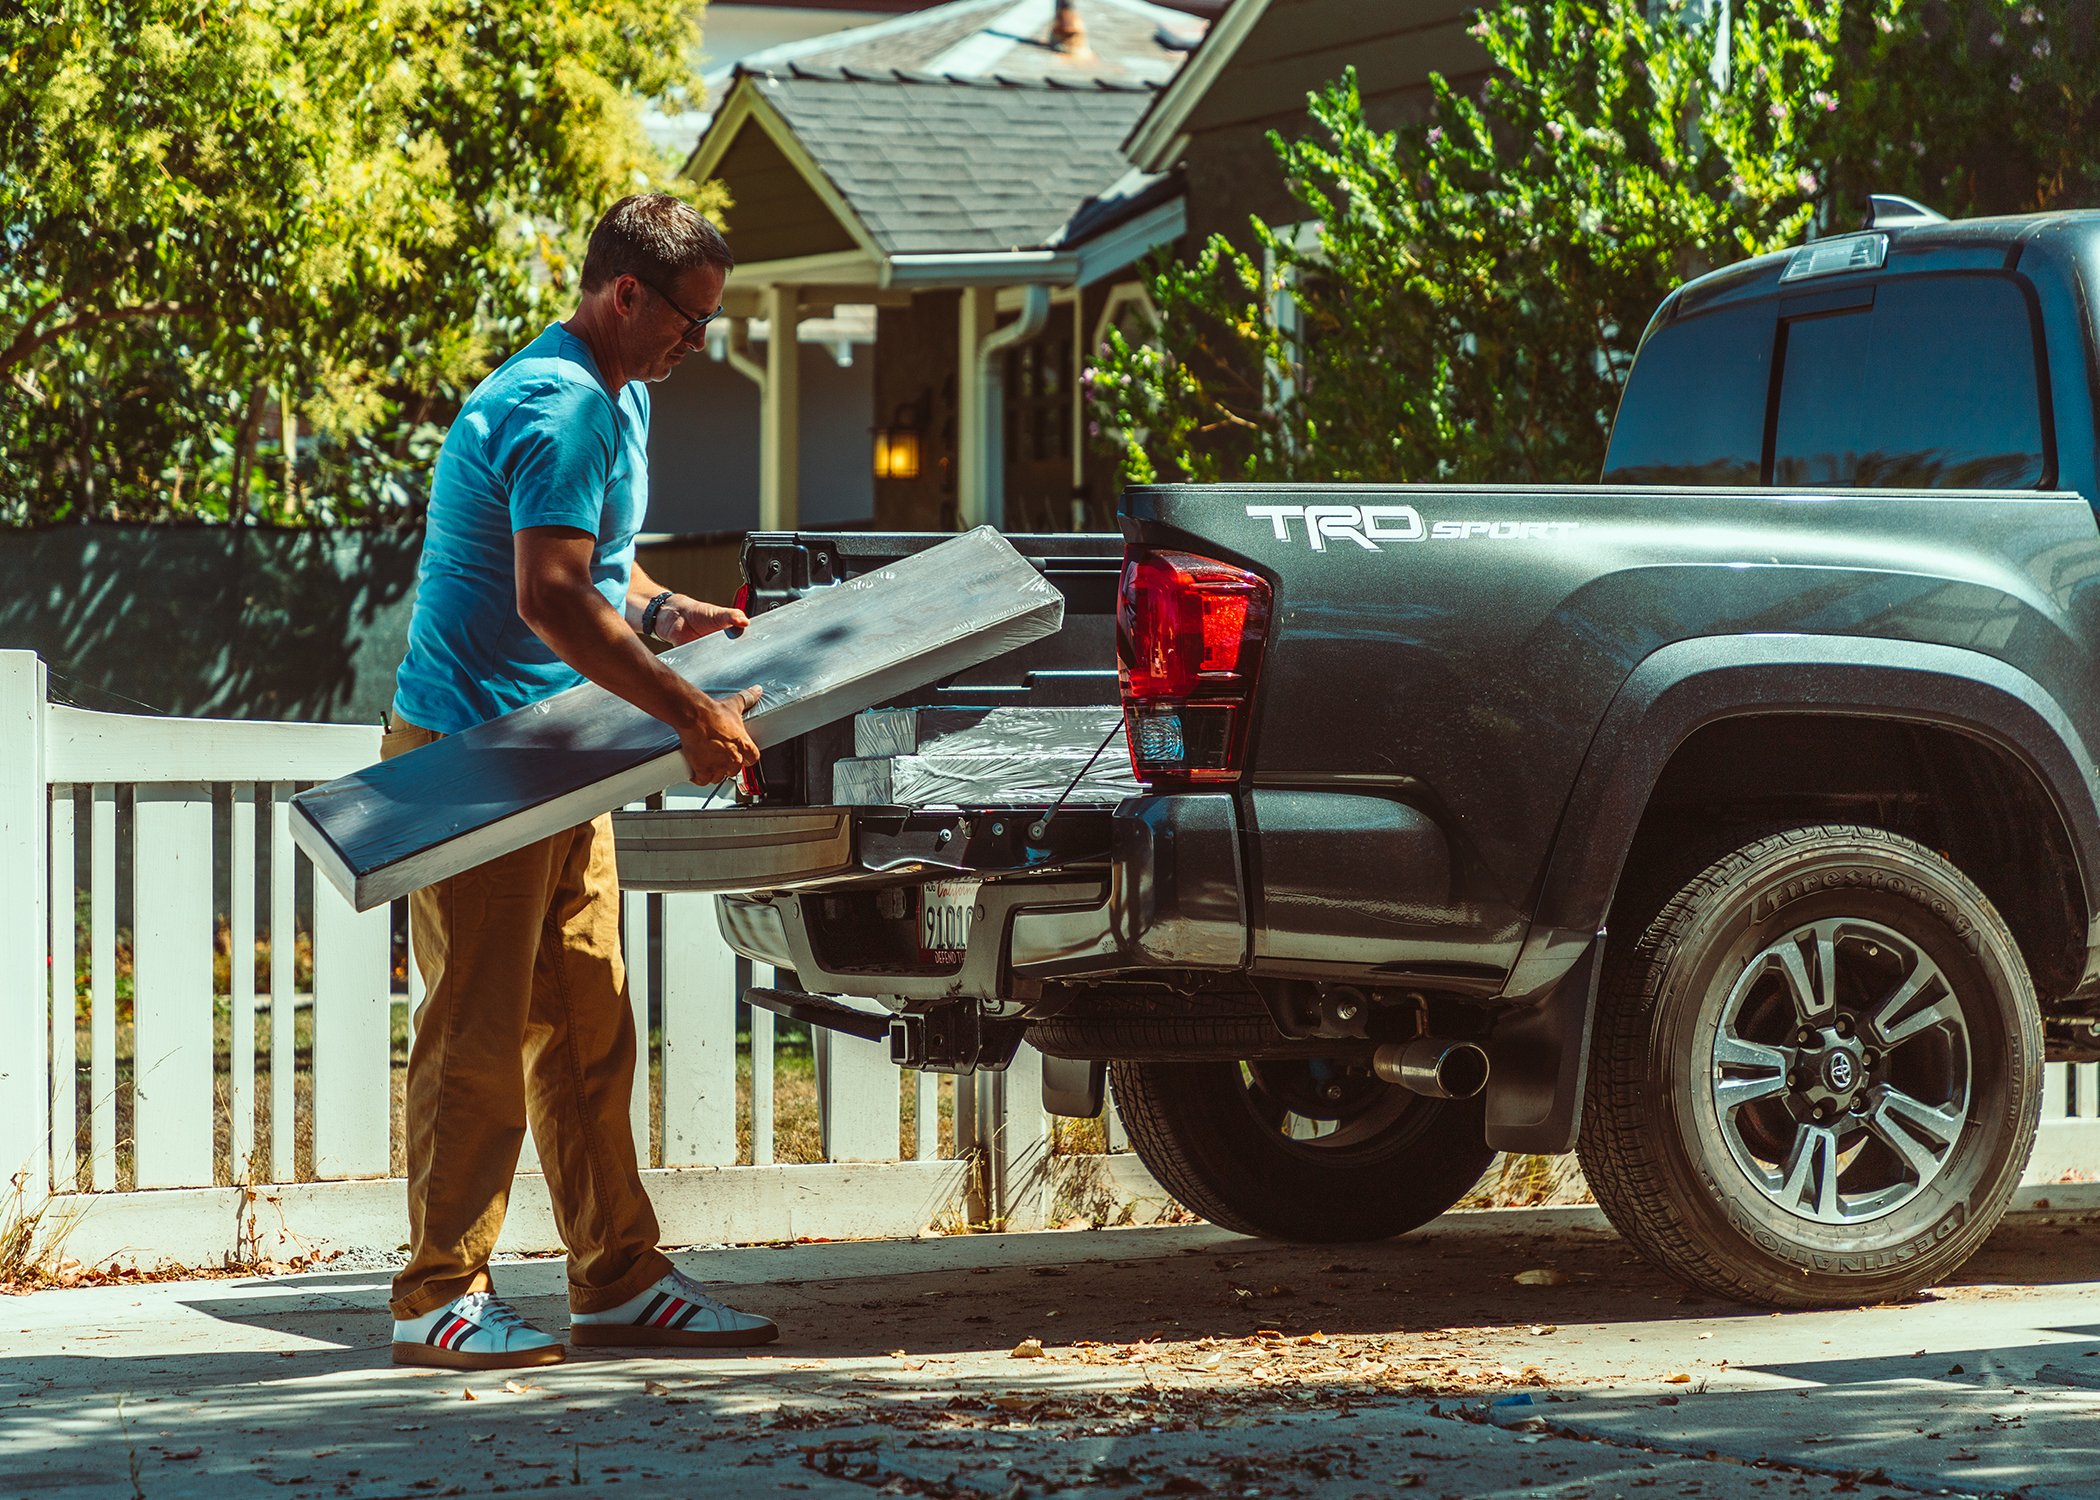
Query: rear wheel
{"points": [[1814, 1070], [1307, 1150]]}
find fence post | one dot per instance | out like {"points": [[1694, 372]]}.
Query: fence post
{"points": [[25, 973]]}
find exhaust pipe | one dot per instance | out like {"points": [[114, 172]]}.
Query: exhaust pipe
{"points": [[1435, 1066]]}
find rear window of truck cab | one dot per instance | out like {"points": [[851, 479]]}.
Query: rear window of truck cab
{"points": [[1912, 382]]}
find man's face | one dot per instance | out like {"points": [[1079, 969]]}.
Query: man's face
{"points": [[657, 330]]}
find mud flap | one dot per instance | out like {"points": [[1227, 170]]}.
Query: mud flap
{"points": [[1539, 1058], [1072, 1087]]}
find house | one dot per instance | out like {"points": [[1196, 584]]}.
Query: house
{"points": [[950, 181], [1251, 75]]}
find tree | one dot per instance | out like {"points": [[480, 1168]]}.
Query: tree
{"points": [[217, 212], [1479, 279]]}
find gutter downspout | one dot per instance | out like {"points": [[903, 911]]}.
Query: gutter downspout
{"points": [[1035, 313], [737, 347]]}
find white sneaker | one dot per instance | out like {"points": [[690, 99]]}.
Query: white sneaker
{"points": [[673, 1312], [474, 1332]]}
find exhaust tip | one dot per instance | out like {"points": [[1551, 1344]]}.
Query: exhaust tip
{"points": [[1434, 1066]]}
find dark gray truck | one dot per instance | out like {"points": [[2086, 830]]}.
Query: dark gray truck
{"points": [[1731, 822]]}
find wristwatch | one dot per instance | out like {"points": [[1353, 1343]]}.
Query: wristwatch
{"points": [[649, 614]]}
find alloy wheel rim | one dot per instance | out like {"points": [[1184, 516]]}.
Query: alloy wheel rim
{"points": [[1840, 1072]]}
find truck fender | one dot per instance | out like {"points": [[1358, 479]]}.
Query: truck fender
{"points": [[1539, 1045]]}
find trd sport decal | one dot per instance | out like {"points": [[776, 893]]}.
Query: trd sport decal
{"points": [[1368, 525]]}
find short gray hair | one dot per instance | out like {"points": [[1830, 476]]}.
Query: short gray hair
{"points": [[655, 238]]}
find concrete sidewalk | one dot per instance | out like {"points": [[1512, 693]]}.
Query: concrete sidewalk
{"points": [[1180, 1361]]}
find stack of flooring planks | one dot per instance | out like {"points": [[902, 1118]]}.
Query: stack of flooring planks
{"points": [[984, 757]]}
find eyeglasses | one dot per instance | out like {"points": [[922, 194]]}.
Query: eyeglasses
{"points": [[692, 324]]}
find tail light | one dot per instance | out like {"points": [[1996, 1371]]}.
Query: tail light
{"points": [[747, 779], [1189, 636]]}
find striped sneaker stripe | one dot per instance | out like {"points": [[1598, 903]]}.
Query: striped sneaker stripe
{"points": [[450, 1333], [692, 1311], [663, 1320], [649, 1312]]}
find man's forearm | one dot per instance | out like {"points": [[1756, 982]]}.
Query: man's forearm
{"points": [[581, 628]]}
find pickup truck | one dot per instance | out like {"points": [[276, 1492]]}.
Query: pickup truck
{"points": [[1730, 822]]}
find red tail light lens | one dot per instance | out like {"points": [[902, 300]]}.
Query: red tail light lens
{"points": [[1189, 636]]}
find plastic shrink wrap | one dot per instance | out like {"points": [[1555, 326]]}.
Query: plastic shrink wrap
{"points": [[400, 825], [986, 731], [982, 780]]}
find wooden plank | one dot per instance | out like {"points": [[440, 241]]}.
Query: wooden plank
{"points": [[284, 1018], [25, 1085], [453, 804], [699, 1068], [90, 746], [240, 943], [634, 950], [204, 1226], [926, 1116], [171, 926], [1024, 1201], [861, 1099], [763, 977], [351, 995], [102, 988], [65, 1124]]}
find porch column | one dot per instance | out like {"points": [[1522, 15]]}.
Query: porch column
{"points": [[780, 415], [973, 459]]}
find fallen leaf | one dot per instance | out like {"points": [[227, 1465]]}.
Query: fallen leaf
{"points": [[1677, 1377], [1545, 1328], [1666, 1400], [414, 1427], [467, 1394], [1405, 1481], [1028, 1349], [517, 1387], [1545, 1276], [1047, 1270], [1820, 1437], [1311, 1338], [185, 1453], [1963, 1456]]}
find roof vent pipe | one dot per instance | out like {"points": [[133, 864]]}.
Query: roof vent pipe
{"points": [[1068, 31]]}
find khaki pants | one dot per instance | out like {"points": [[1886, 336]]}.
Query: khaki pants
{"points": [[525, 1019]]}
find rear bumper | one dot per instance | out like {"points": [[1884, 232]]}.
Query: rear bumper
{"points": [[1168, 892]]}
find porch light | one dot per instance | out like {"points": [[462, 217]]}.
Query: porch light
{"points": [[896, 453]]}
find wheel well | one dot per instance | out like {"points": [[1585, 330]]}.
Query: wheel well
{"points": [[1966, 797]]}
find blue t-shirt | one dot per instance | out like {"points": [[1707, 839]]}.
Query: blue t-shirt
{"points": [[539, 443]]}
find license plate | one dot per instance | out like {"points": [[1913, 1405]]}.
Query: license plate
{"points": [[946, 909]]}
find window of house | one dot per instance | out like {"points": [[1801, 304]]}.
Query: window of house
{"points": [[1933, 386], [1038, 390], [1694, 410]]}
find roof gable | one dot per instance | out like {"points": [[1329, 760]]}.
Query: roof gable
{"points": [[908, 164], [1264, 56]]}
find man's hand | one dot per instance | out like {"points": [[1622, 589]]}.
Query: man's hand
{"points": [[715, 741], [684, 618]]}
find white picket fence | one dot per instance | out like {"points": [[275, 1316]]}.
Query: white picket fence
{"points": [[193, 807], [161, 827]]}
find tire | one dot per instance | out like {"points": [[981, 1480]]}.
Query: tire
{"points": [[1721, 1131], [1213, 1133]]}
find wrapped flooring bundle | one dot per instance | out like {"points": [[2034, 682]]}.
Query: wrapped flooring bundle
{"points": [[984, 757], [982, 780], [402, 824]]}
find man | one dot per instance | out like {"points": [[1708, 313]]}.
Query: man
{"points": [[527, 586]]}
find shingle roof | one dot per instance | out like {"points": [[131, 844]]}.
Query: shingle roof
{"points": [[1129, 39], [936, 165]]}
